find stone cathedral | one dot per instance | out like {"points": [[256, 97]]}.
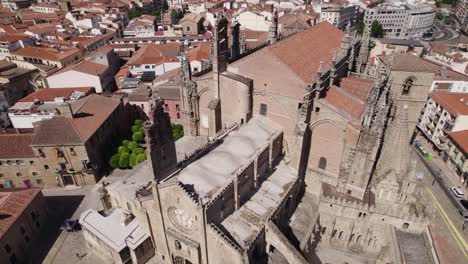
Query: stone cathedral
{"points": [[297, 160]]}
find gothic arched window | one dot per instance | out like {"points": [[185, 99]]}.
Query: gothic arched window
{"points": [[407, 86], [322, 163]]}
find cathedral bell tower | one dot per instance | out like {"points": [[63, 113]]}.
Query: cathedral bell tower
{"points": [[190, 99], [160, 144]]}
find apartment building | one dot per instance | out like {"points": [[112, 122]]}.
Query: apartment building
{"points": [[401, 21], [456, 154], [460, 13], [338, 15], [443, 113]]}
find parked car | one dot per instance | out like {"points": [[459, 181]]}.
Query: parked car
{"points": [[464, 203], [457, 192]]}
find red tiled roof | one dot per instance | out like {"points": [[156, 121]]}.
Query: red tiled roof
{"points": [[89, 113], [304, 51], [154, 54], [461, 138], [358, 87], [13, 202], [200, 51], [46, 53], [48, 95], [84, 66], [345, 103], [454, 103], [16, 145]]}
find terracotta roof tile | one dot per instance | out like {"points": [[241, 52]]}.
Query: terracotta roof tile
{"points": [[454, 103], [85, 66], [16, 145], [46, 53], [461, 138], [345, 103], [13, 202], [304, 51], [48, 95], [155, 54], [358, 87]]}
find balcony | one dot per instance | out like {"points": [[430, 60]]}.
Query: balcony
{"points": [[443, 139], [447, 128], [451, 121]]}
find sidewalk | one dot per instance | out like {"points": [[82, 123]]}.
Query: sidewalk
{"points": [[437, 161]]}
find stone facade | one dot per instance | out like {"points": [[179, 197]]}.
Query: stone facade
{"points": [[290, 162]]}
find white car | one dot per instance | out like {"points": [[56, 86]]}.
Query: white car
{"points": [[457, 192]]}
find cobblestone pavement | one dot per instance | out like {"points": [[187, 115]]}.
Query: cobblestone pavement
{"points": [[446, 226]]}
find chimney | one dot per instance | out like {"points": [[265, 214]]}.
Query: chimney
{"points": [[65, 110], [126, 219]]}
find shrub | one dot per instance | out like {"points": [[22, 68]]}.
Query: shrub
{"points": [[124, 160], [138, 136], [141, 157], [177, 131], [142, 130], [123, 149], [114, 161], [132, 145], [138, 122], [138, 151], [135, 128], [133, 160], [125, 142]]}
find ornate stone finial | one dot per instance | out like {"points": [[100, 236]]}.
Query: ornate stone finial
{"points": [[319, 71], [335, 58], [348, 28]]}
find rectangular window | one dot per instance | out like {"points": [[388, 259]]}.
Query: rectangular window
{"points": [[46, 167], [31, 162], [1, 175], [18, 174], [263, 109], [34, 174], [39, 182]]}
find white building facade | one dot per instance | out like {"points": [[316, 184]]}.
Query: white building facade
{"points": [[443, 113], [401, 21], [338, 15]]}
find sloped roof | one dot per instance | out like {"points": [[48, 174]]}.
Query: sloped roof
{"points": [[358, 87], [89, 113], [155, 54], [85, 66], [409, 62], [304, 51], [13, 202], [461, 138], [47, 95], [454, 103], [345, 103], [16, 145], [46, 53]]}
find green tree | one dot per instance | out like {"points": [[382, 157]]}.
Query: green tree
{"points": [[360, 27], [177, 131], [138, 122], [176, 15], [141, 157], [138, 151], [114, 161], [125, 142], [135, 128], [376, 29], [133, 160], [124, 160], [138, 137], [122, 149], [132, 145]]}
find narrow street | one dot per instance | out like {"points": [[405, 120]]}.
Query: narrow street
{"points": [[447, 225]]}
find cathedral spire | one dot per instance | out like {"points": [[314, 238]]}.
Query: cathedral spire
{"points": [[364, 50]]}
